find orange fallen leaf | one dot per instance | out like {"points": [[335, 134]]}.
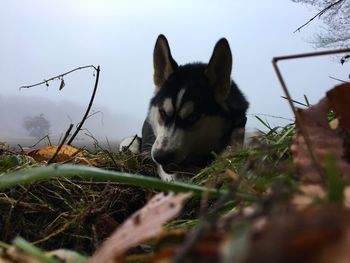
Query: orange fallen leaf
{"points": [[141, 226], [46, 153]]}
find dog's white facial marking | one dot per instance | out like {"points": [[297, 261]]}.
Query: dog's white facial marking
{"points": [[153, 119], [186, 110], [168, 139], [179, 97], [168, 106], [164, 134]]}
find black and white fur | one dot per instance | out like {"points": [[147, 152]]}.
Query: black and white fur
{"points": [[196, 110]]}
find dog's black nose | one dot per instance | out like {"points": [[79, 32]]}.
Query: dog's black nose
{"points": [[163, 157]]}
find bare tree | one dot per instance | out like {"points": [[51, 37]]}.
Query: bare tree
{"points": [[335, 15], [38, 126]]}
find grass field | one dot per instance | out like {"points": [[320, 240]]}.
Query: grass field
{"points": [[249, 205]]}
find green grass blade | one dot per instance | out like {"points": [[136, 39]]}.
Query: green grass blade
{"points": [[334, 182], [31, 175], [265, 123], [33, 251], [307, 101], [286, 133]]}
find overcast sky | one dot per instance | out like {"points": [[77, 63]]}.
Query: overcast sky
{"points": [[42, 38]]}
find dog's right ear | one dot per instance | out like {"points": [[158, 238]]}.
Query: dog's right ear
{"points": [[163, 63], [219, 69]]}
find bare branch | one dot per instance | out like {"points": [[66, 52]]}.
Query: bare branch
{"points": [[57, 77], [132, 141], [45, 137], [345, 59], [294, 101], [319, 14], [340, 80], [88, 108]]}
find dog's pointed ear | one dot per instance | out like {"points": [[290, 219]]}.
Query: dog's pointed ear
{"points": [[163, 62], [219, 69]]}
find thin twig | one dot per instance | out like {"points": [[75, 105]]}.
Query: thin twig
{"points": [[20, 146], [88, 108], [92, 114], [296, 102], [319, 14], [46, 136], [45, 81], [132, 141], [298, 119], [271, 116], [343, 81], [312, 54], [108, 144], [344, 59], [290, 101], [103, 150], [61, 144]]}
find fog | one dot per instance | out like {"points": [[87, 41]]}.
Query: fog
{"points": [[41, 39], [102, 123]]}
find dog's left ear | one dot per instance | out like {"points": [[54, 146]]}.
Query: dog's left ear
{"points": [[163, 63], [219, 69]]}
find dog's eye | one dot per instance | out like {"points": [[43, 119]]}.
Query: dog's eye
{"points": [[163, 114], [192, 118]]}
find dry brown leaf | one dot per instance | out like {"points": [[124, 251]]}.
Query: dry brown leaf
{"points": [[347, 197], [339, 101], [208, 249], [323, 139], [66, 153], [307, 195], [311, 192], [143, 225], [317, 234]]}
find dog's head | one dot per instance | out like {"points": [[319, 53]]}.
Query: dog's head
{"points": [[188, 112]]}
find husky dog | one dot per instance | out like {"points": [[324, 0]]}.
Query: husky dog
{"points": [[196, 110]]}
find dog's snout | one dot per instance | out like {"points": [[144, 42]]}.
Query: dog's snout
{"points": [[163, 157]]}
